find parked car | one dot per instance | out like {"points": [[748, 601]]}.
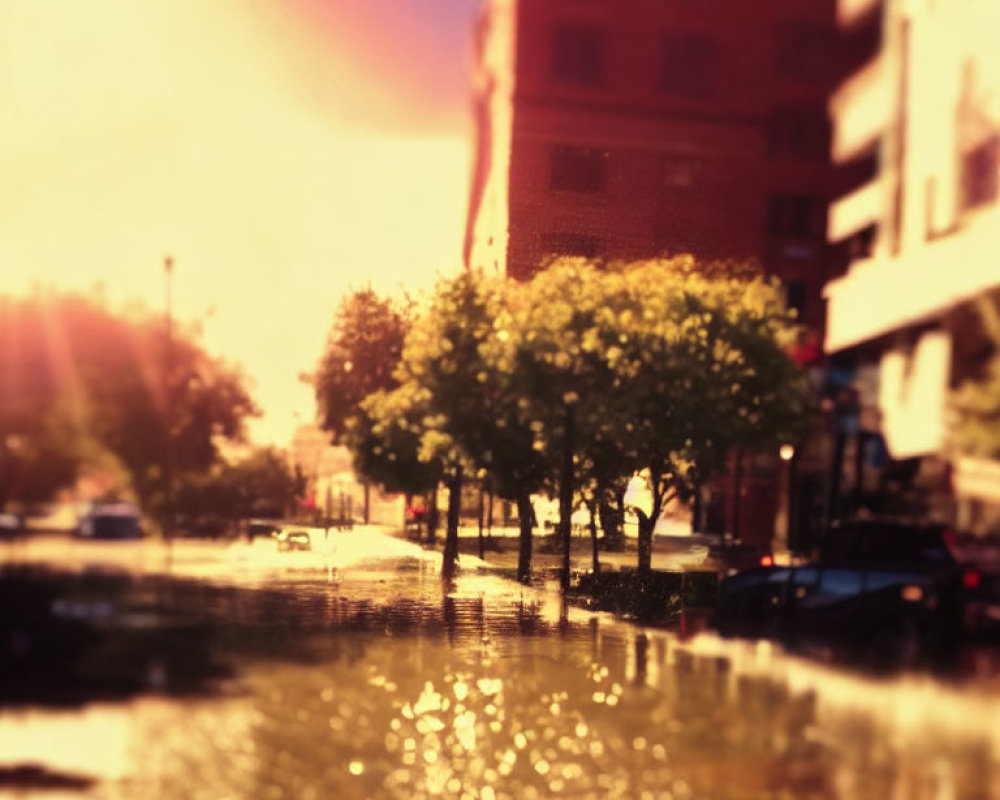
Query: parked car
{"points": [[111, 521], [262, 527], [880, 590], [980, 559], [292, 539], [736, 556]]}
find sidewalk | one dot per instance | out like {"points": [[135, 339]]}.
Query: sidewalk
{"points": [[500, 551]]}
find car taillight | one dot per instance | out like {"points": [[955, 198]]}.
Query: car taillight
{"points": [[912, 593], [971, 579], [766, 561]]}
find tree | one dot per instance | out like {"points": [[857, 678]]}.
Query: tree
{"points": [[149, 414], [385, 439], [36, 419], [704, 369], [571, 335], [262, 484], [265, 484], [84, 386], [462, 356], [362, 350], [975, 404], [653, 368], [37, 461]]}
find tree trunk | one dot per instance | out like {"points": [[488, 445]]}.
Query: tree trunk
{"points": [[432, 515], [368, 499], [524, 521], [612, 519], [646, 525], [482, 491], [592, 507], [489, 515], [737, 494], [450, 558], [696, 511], [566, 494]]}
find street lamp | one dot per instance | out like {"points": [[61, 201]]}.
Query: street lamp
{"points": [[168, 410], [783, 523]]}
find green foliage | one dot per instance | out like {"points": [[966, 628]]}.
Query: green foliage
{"points": [[461, 356], [976, 408], [260, 485], [362, 350], [385, 437], [706, 371], [975, 405], [656, 367]]}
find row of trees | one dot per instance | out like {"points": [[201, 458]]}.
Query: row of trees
{"points": [[85, 392], [569, 384]]}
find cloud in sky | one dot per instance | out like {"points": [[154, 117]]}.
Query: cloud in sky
{"points": [[281, 152]]}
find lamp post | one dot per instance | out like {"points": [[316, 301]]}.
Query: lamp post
{"points": [[783, 523], [168, 410]]}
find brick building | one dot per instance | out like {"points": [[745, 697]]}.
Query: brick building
{"points": [[640, 128]]}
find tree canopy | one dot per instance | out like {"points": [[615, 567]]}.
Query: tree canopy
{"points": [[975, 403], [260, 484], [361, 353], [85, 388], [580, 379]]}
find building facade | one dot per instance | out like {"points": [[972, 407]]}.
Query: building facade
{"points": [[630, 130], [911, 322], [640, 128]]}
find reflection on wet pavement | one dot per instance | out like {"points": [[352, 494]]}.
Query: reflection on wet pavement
{"points": [[368, 682]]}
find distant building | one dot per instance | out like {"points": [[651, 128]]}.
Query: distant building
{"points": [[925, 232], [641, 128], [332, 488]]}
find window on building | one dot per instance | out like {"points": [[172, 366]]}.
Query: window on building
{"points": [[803, 51], [795, 132], [979, 173], [690, 65], [795, 295], [578, 169], [797, 216], [577, 54], [570, 244], [861, 244]]}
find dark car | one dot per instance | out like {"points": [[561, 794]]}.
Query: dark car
{"points": [[112, 521], [882, 590], [980, 560], [263, 528]]}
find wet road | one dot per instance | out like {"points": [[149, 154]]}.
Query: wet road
{"points": [[240, 672]]}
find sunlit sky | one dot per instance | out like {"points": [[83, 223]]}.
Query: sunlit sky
{"points": [[280, 151]]}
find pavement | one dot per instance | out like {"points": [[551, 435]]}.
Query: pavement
{"points": [[671, 551]]}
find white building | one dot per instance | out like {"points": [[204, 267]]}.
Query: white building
{"points": [[926, 228]]}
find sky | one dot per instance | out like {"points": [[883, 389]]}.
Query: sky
{"points": [[281, 152]]}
